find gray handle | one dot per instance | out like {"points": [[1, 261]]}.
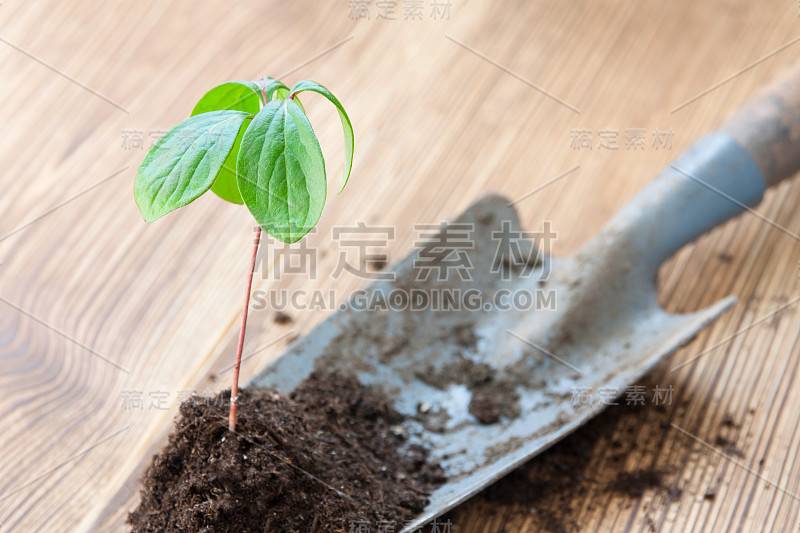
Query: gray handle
{"points": [[718, 177]]}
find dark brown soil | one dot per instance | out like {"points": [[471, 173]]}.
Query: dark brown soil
{"points": [[483, 407], [636, 483], [592, 467], [323, 458], [552, 487], [379, 264], [493, 395], [282, 318]]}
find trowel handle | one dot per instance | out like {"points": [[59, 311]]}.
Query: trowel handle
{"points": [[768, 126], [716, 178]]}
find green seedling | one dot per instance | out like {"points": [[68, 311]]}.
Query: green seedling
{"points": [[249, 143]]}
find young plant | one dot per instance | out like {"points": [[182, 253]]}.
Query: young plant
{"points": [[249, 143]]}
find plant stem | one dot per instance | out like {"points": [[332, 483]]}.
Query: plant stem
{"points": [[238, 363]]}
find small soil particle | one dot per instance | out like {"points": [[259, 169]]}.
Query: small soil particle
{"points": [[728, 446], [465, 335], [320, 459], [636, 483], [282, 318], [379, 264], [728, 422], [483, 408], [723, 442]]}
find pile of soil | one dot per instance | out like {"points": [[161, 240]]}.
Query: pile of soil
{"points": [[327, 457]]}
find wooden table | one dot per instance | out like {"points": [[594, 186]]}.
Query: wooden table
{"points": [[99, 310]]}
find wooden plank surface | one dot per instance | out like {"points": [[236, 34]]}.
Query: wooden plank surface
{"points": [[95, 305]]}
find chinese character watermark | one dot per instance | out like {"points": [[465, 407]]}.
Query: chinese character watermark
{"points": [[384, 526], [412, 10], [160, 399], [367, 247], [608, 139], [134, 139], [522, 251], [443, 249], [633, 395]]}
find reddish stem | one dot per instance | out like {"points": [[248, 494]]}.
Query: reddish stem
{"points": [[264, 89], [238, 363]]}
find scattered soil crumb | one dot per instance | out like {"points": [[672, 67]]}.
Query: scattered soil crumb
{"points": [[464, 371], [483, 407], [379, 264], [391, 346], [465, 335], [728, 446], [320, 459], [728, 422], [493, 395], [709, 496], [636, 483], [725, 257], [555, 487], [282, 318]]}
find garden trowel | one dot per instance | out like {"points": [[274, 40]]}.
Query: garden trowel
{"points": [[495, 350]]}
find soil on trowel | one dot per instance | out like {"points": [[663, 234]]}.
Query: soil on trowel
{"points": [[493, 394], [327, 457]]}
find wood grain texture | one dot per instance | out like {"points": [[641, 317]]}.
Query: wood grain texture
{"points": [[96, 304]]}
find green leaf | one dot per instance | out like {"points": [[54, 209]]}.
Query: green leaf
{"points": [[270, 87], [284, 93], [281, 171], [274, 89], [233, 95], [184, 163], [349, 140], [225, 186]]}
